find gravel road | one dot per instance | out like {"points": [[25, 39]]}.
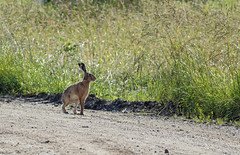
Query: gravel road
{"points": [[32, 128]]}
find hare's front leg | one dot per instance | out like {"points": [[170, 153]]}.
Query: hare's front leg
{"points": [[82, 106]]}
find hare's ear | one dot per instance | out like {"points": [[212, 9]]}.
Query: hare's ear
{"points": [[82, 66]]}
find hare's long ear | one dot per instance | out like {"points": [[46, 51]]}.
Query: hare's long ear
{"points": [[82, 66]]}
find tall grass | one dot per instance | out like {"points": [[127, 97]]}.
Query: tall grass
{"points": [[183, 51]]}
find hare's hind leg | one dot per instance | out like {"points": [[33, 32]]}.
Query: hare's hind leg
{"points": [[65, 103], [75, 106], [63, 108]]}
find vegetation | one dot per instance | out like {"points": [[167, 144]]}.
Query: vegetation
{"points": [[184, 51]]}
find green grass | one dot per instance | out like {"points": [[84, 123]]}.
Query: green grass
{"points": [[184, 51]]}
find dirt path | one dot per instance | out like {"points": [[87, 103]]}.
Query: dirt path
{"points": [[30, 128]]}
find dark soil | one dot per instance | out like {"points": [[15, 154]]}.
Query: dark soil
{"points": [[118, 105]]}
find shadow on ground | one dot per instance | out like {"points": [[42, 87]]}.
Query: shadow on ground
{"points": [[94, 103]]}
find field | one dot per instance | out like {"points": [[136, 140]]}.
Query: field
{"points": [[186, 52]]}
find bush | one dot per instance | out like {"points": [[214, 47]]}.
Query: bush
{"points": [[9, 84]]}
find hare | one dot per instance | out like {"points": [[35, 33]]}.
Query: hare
{"points": [[78, 92]]}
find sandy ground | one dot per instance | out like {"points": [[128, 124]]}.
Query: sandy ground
{"points": [[31, 128]]}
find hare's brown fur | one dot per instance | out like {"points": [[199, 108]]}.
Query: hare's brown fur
{"points": [[78, 92]]}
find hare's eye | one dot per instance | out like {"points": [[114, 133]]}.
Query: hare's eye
{"points": [[92, 76]]}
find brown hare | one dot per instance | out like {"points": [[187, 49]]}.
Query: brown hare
{"points": [[78, 92]]}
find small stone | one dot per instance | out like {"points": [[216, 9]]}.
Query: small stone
{"points": [[47, 141], [166, 151]]}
